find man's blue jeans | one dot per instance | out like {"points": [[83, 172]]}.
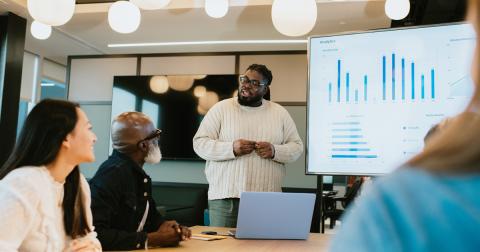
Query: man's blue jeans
{"points": [[223, 212]]}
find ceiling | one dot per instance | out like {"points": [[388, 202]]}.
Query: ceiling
{"points": [[88, 32]]}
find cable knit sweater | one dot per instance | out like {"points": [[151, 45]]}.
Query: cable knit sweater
{"points": [[228, 176], [31, 212]]}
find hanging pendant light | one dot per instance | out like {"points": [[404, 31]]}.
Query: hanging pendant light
{"points": [[150, 4], [51, 12], [294, 18], [397, 9], [124, 17], [40, 31], [216, 8], [159, 84]]}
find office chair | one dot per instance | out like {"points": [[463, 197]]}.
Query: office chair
{"points": [[330, 209]]}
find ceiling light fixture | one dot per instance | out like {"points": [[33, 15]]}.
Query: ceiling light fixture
{"points": [[397, 9], [216, 8], [124, 17], [213, 42], [150, 4], [294, 18], [199, 91], [40, 30], [159, 84], [51, 12]]}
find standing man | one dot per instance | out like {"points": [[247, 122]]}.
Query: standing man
{"points": [[124, 212], [246, 141]]}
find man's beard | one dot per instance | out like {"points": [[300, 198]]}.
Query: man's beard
{"points": [[154, 155], [250, 101]]}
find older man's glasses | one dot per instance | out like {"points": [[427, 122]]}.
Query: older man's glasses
{"points": [[154, 135], [243, 80]]}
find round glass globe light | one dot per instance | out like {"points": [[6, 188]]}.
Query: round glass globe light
{"points": [[397, 9], [40, 31], [150, 4], [216, 8], [124, 17], [51, 12], [294, 18], [159, 84], [208, 100], [180, 82], [199, 91]]}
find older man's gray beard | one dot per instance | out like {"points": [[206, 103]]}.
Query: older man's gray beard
{"points": [[154, 155]]}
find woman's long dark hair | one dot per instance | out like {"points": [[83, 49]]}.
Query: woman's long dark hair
{"points": [[40, 140]]}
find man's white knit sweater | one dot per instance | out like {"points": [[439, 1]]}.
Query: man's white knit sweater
{"points": [[228, 176]]}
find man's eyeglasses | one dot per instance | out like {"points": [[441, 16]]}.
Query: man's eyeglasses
{"points": [[154, 135], [243, 79]]}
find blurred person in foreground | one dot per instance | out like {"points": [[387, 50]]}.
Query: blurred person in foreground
{"points": [[432, 203]]}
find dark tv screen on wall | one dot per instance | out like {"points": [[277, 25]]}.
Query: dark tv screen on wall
{"points": [[175, 103]]}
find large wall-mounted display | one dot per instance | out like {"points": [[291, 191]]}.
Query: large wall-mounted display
{"points": [[372, 96], [175, 103]]}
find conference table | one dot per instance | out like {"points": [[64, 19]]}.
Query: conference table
{"points": [[316, 242]]}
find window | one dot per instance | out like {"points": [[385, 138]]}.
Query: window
{"points": [[52, 89], [151, 109], [126, 102]]}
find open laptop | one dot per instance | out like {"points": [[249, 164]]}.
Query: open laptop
{"points": [[273, 215]]}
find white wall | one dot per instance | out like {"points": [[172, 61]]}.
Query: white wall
{"points": [[289, 72], [92, 79], [188, 65], [29, 76], [54, 71]]}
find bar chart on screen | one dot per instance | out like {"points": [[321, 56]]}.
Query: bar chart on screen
{"points": [[372, 96], [426, 83]]}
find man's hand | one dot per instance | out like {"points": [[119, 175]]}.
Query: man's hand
{"points": [[84, 245], [186, 233], [264, 149], [242, 147], [168, 234]]}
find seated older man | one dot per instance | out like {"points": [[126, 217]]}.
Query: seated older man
{"points": [[124, 212]]}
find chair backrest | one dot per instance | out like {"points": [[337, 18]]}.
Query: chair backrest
{"points": [[352, 191]]}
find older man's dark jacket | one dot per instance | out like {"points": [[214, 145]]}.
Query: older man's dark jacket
{"points": [[120, 190]]}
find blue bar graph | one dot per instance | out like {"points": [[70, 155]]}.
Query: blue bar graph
{"points": [[347, 136], [348, 87], [354, 156], [348, 130], [350, 143], [403, 79], [346, 123], [338, 80], [432, 73], [413, 81], [330, 92], [350, 149], [384, 78], [365, 81], [423, 87], [393, 76], [353, 89]]}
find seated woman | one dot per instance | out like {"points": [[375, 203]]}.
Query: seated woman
{"points": [[432, 203], [45, 201]]}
